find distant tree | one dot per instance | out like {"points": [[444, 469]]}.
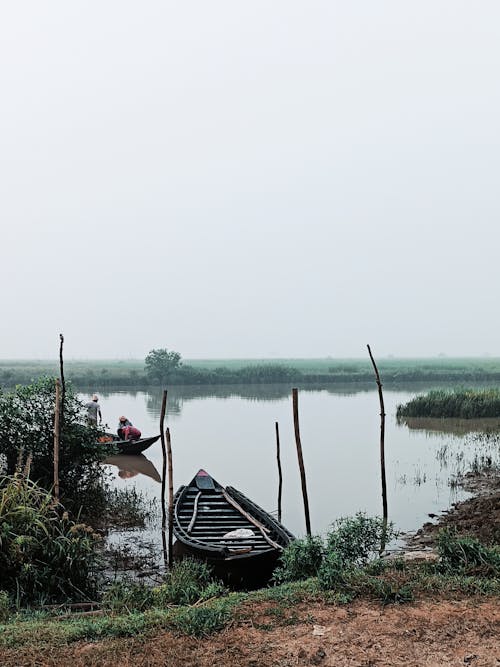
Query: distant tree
{"points": [[160, 364]]}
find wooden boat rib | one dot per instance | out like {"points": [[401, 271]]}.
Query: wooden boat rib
{"points": [[204, 514]]}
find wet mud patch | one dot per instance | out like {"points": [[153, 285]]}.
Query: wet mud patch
{"points": [[478, 517]]}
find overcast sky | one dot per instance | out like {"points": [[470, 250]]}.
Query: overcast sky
{"points": [[274, 178]]}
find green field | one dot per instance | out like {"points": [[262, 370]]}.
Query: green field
{"points": [[131, 372]]}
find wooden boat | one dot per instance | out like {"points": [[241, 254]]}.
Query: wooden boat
{"points": [[240, 540], [128, 446]]}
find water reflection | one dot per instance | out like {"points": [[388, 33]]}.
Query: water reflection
{"points": [[179, 395], [230, 431], [452, 426], [132, 465]]}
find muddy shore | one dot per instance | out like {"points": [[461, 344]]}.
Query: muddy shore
{"points": [[478, 516]]}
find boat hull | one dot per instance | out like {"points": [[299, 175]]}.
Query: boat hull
{"points": [[129, 446], [238, 539], [236, 572]]}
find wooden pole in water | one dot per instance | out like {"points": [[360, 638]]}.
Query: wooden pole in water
{"points": [[163, 475], [63, 383], [295, 398], [170, 499], [280, 477], [56, 440], [382, 436]]}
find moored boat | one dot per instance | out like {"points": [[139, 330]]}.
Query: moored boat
{"points": [[129, 446], [240, 540]]}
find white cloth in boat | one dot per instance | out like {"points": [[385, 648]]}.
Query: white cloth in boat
{"points": [[238, 534]]}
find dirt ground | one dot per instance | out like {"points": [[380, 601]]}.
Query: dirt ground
{"points": [[430, 632]]}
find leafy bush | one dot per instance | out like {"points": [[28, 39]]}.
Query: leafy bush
{"points": [[466, 554], [300, 560], [358, 539], [43, 555], [333, 571], [27, 418], [351, 543]]}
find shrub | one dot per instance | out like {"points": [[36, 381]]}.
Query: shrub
{"points": [[333, 571], [27, 418], [351, 543], [43, 555], [300, 560], [357, 540]]}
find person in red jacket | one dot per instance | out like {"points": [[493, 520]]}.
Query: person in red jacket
{"points": [[127, 431]]}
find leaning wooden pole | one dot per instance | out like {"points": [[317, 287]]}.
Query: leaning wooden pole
{"points": [[280, 477], [56, 439], [63, 383], [382, 435], [170, 499], [295, 397], [163, 475]]}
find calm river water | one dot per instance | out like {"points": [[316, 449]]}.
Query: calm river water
{"points": [[231, 433]]}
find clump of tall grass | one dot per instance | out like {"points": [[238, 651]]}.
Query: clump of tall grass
{"points": [[188, 582], [459, 403], [44, 556], [466, 555]]}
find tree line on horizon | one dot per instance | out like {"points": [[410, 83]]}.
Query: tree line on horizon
{"points": [[165, 367]]}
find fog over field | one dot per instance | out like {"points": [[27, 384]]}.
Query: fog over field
{"points": [[267, 179]]}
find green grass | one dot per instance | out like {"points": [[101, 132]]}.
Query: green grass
{"points": [[459, 403], [393, 584]]}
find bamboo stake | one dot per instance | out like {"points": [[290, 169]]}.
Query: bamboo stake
{"points": [[382, 435], [295, 398], [63, 383], [170, 499], [280, 477], [56, 440], [163, 474]]}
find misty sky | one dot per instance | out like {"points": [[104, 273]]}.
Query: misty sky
{"points": [[249, 179]]}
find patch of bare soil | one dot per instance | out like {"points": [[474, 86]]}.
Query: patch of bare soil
{"points": [[364, 634]]}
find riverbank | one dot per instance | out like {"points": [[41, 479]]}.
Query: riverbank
{"points": [[446, 620], [363, 634], [478, 516]]}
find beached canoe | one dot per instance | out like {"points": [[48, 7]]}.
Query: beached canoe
{"points": [[220, 525]]}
